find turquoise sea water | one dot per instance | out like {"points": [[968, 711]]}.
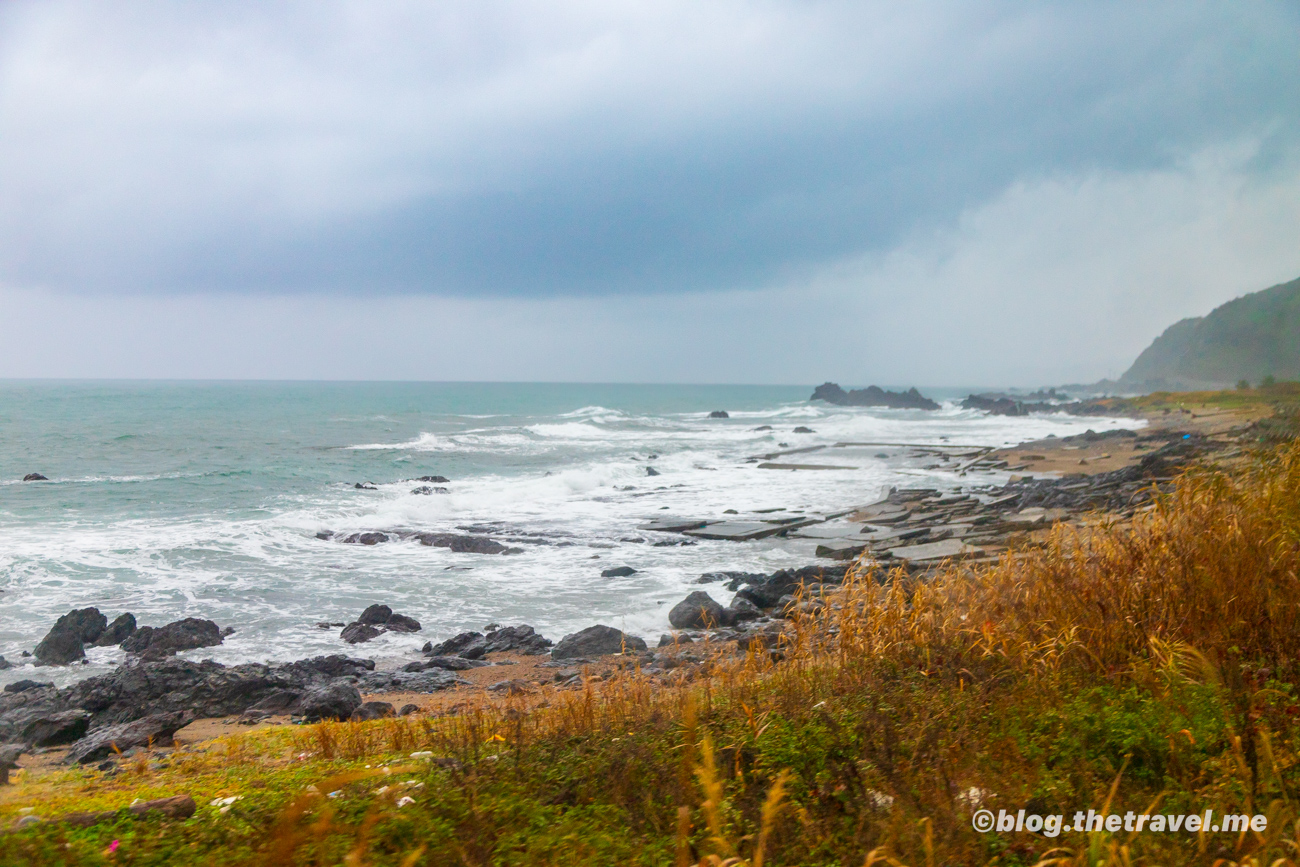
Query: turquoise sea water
{"points": [[204, 499]]}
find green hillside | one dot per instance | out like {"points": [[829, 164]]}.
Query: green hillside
{"points": [[1251, 337]]}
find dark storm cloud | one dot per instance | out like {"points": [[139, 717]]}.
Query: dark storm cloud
{"points": [[516, 149]]}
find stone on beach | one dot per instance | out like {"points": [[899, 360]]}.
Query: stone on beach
{"points": [[596, 640], [372, 710], [152, 730], [335, 701], [944, 550], [699, 610], [618, 572]]}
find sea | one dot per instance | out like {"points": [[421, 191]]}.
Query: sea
{"points": [[207, 499]]}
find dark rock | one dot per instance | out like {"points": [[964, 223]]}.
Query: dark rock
{"points": [[763, 427], [5, 664], [373, 710], [156, 643], [359, 632], [767, 591], [521, 639], [651, 471], [64, 642], [34, 477], [335, 665], [511, 687], [365, 486], [425, 490], [408, 709], [465, 544], [402, 623], [996, 406], [672, 639], [24, 685], [437, 480], [177, 807], [459, 644], [365, 538], [9, 754], [446, 663], [334, 701], [698, 611], [61, 646], [122, 627], [280, 702], [44, 729], [719, 413], [200, 689], [802, 429], [375, 615], [618, 572], [432, 680], [742, 609], [152, 730], [596, 641], [872, 396]]}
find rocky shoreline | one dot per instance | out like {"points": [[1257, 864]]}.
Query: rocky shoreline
{"points": [[154, 694]]}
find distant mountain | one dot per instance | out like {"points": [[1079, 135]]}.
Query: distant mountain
{"points": [[1251, 337]]}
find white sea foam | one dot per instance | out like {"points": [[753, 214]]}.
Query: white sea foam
{"points": [[579, 478]]}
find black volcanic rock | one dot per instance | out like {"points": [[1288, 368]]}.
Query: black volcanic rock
{"points": [[596, 640], [698, 611], [34, 477], [618, 572], [719, 413], [122, 628], [872, 396], [157, 642]]}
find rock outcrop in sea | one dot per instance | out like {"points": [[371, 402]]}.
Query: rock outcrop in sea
{"points": [[872, 396]]}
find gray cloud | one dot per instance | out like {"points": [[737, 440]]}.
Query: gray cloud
{"points": [[582, 148]]}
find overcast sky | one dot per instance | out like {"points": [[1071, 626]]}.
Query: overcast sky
{"points": [[930, 192]]}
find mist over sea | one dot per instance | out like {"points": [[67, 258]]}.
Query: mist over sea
{"points": [[171, 500]]}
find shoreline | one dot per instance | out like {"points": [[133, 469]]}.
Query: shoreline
{"points": [[919, 530]]}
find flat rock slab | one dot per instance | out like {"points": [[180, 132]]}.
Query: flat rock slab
{"points": [[738, 531], [672, 525], [830, 531], [841, 549], [934, 551], [897, 534]]}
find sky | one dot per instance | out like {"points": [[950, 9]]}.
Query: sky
{"points": [[931, 193]]}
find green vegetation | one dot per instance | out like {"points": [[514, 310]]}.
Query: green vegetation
{"points": [[1149, 663], [1255, 337]]}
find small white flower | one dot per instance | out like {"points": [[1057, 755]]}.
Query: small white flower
{"points": [[404, 800], [312, 790], [380, 791], [422, 755], [335, 794], [225, 802], [411, 784]]}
